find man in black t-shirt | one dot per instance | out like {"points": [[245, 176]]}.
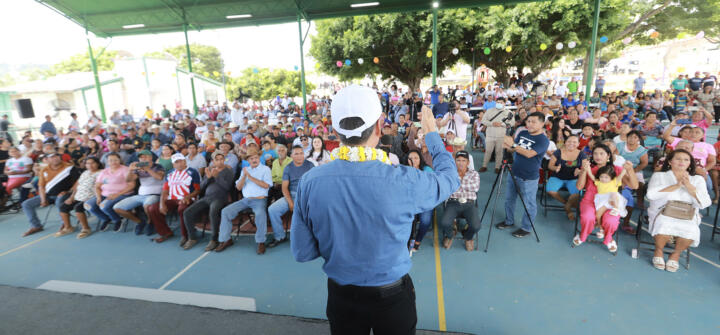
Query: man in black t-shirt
{"points": [[695, 82]]}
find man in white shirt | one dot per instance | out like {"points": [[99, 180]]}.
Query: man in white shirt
{"points": [[456, 121], [561, 90]]}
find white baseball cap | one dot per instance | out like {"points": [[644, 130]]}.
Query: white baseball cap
{"points": [[355, 101], [177, 157]]}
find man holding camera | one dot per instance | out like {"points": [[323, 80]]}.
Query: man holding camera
{"points": [[529, 147], [496, 121], [456, 120]]}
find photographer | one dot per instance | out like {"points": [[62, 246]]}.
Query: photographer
{"points": [[456, 120], [496, 120], [529, 146], [150, 176], [414, 103]]}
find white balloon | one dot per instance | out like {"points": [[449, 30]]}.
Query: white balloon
{"points": [[701, 34], [559, 46], [572, 44], [360, 61], [455, 51]]}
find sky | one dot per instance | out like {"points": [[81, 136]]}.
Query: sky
{"points": [[33, 33]]}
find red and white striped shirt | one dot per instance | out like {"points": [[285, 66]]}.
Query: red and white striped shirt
{"points": [[181, 183]]}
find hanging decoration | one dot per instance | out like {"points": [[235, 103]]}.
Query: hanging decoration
{"points": [[255, 70], [701, 34], [508, 48], [654, 34], [682, 35], [317, 66], [206, 74], [543, 46], [572, 44], [376, 60], [681, 69], [455, 51], [429, 54], [228, 73], [486, 51], [559, 46], [295, 67], [347, 62], [338, 63], [174, 74], [143, 74], [603, 39], [360, 61], [627, 40], [216, 74]]}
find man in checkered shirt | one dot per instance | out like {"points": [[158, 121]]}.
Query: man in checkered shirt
{"points": [[462, 203]]}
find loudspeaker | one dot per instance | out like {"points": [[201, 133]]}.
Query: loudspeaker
{"points": [[24, 106]]}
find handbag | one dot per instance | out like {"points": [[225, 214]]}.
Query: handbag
{"points": [[678, 210]]}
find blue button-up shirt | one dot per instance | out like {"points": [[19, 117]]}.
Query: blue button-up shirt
{"points": [[252, 190], [358, 216]]}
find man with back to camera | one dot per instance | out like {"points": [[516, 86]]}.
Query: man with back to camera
{"points": [[362, 230], [528, 147]]}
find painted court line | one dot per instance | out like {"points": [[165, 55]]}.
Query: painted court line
{"points": [[26, 245], [691, 253], [225, 302], [183, 271], [442, 326]]}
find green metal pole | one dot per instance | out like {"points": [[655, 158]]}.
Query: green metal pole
{"points": [[189, 60], [302, 63], [591, 64], [434, 48], [98, 88]]}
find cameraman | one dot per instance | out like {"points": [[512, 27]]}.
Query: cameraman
{"points": [[496, 121], [456, 120], [414, 103], [529, 147]]}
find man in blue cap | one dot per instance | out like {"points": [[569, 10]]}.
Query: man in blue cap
{"points": [[362, 229]]}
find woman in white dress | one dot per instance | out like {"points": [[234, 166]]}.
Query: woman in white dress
{"points": [[675, 181]]}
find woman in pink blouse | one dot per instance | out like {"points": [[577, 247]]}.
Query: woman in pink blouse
{"points": [[110, 187]]}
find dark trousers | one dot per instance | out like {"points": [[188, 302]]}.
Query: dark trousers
{"points": [[358, 309], [193, 214], [455, 209], [716, 110]]}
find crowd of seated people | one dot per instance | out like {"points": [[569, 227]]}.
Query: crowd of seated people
{"points": [[227, 159]]}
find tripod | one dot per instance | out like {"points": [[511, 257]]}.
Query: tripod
{"points": [[497, 190]]}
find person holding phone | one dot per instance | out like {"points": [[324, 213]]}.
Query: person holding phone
{"points": [[150, 176]]}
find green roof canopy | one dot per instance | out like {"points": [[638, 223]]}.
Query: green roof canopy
{"points": [[107, 18]]}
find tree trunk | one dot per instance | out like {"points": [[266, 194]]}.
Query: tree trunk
{"points": [[502, 76], [414, 84]]}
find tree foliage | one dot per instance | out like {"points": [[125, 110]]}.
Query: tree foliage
{"points": [[266, 83], [81, 62], [400, 41], [206, 59]]}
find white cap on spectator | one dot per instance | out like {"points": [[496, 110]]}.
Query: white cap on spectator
{"points": [[355, 101], [177, 157]]}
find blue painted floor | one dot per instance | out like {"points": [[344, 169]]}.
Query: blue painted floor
{"points": [[518, 287]]}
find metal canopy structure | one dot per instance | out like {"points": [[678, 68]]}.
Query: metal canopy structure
{"points": [[108, 18]]}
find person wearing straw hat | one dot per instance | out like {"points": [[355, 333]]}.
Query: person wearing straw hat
{"points": [[362, 231]]}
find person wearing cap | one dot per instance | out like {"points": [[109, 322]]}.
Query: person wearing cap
{"points": [[150, 176], [180, 189], [462, 203], [54, 180], [364, 245], [254, 182], [496, 121], [216, 185], [458, 145]]}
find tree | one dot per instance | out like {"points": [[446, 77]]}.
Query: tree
{"points": [[7, 80], [265, 84], [206, 59], [81, 62], [400, 41]]}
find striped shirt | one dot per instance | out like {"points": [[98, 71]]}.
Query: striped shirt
{"points": [[181, 183]]}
